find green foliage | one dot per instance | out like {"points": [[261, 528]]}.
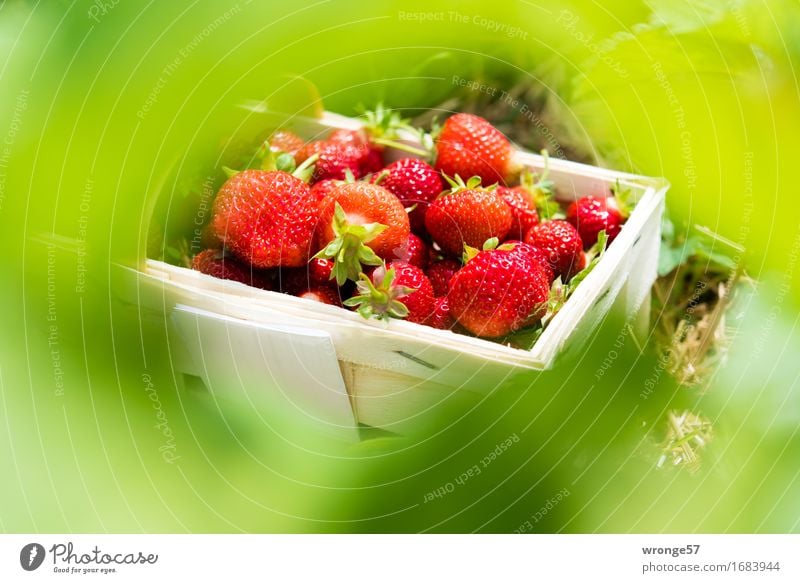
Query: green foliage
{"points": [[704, 94]]}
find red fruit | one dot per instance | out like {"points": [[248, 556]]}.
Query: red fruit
{"points": [[468, 145], [324, 294], [534, 252], [413, 251], [372, 162], [335, 159], [414, 182], [399, 290], [214, 262], [561, 243], [319, 271], [285, 141], [266, 218], [371, 154], [345, 136], [299, 279], [358, 221], [440, 317], [324, 187], [440, 273], [467, 216], [592, 214], [523, 209], [499, 291]]}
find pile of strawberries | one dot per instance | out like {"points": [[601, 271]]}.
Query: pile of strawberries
{"points": [[456, 236]]}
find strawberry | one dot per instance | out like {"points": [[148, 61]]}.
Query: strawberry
{"points": [[359, 223], [534, 252], [399, 290], [468, 145], [285, 141], [413, 251], [440, 273], [266, 218], [214, 262], [523, 209], [371, 154], [345, 136], [562, 244], [592, 214], [322, 188], [319, 271], [498, 292], [335, 159], [316, 273], [467, 215], [324, 294], [414, 182], [325, 186], [440, 317]]}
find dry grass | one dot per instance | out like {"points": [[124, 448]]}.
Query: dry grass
{"points": [[690, 306], [686, 435]]}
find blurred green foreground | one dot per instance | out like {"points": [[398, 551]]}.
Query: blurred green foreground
{"points": [[99, 103]]}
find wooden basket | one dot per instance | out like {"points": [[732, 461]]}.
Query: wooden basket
{"points": [[343, 370]]}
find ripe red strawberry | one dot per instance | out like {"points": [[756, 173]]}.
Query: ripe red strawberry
{"points": [[371, 154], [468, 145], [214, 262], [324, 294], [562, 245], [285, 141], [359, 223], [440, 273], [467, 215], [440, 317], [413, 251], [266, 218], [299, 279], [399, 290], [414, 182], [534, 252], [523, 209], [345, 136], [322, 188], [335, 159], [499, 291], [319, 271], [592, 214]]}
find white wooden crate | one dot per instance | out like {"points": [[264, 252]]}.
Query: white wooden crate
{"points": [[341, 369]]}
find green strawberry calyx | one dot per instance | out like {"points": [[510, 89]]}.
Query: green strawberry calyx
{"points": [[383, 125], [623, 199], [282, 161], [542, 190], [489, 245], [380, 300], [457, 184], [383, 122], [285, 162], [348, 249]]}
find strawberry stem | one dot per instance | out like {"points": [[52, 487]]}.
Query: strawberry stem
{"points": [[348, 249], [380, 301], [397, 145], [306, 169], [230, 172], [624, 198]]}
